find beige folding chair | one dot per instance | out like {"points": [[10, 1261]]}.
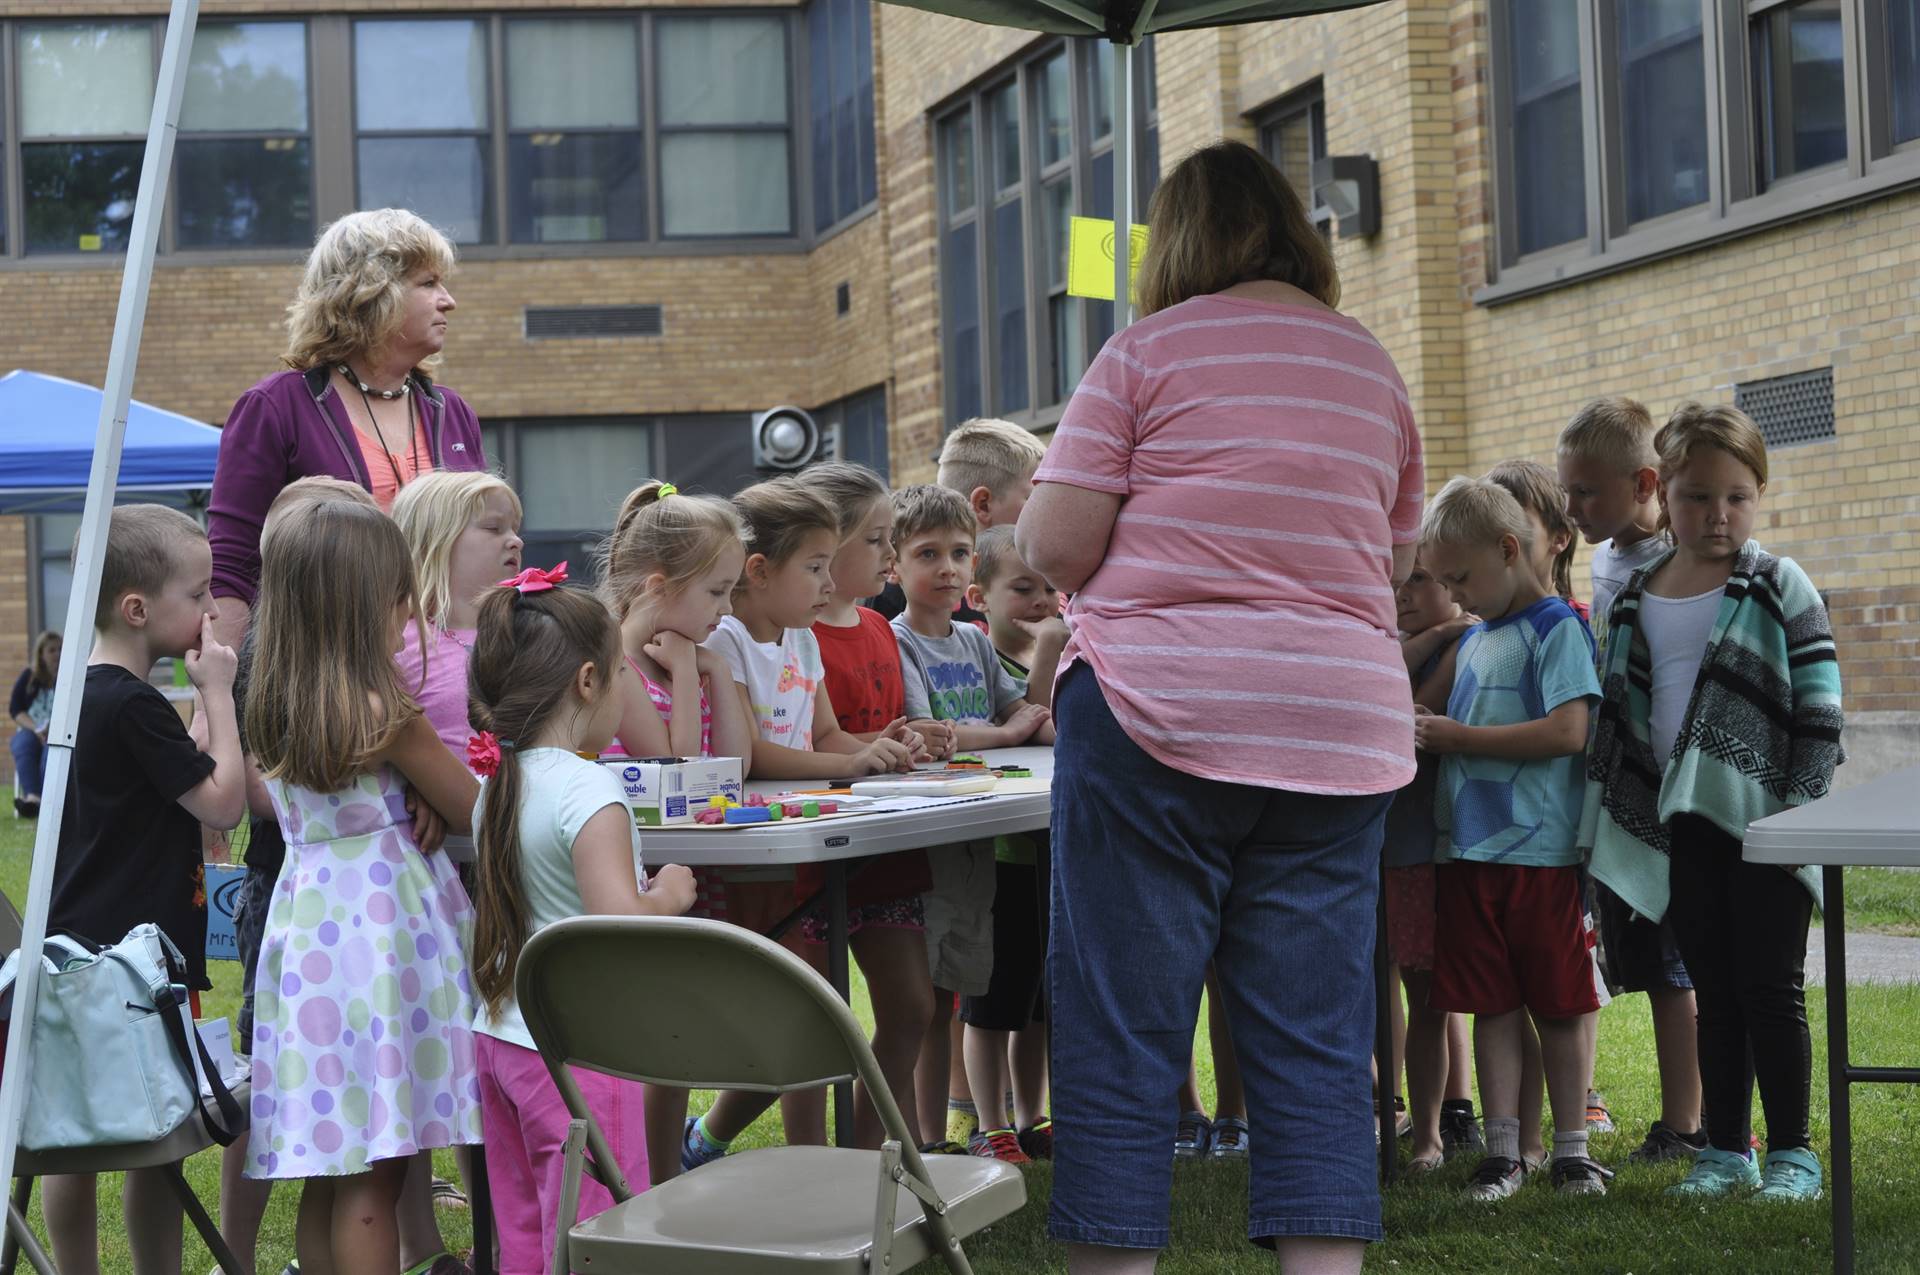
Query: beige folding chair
{"points": [[700, 1004]]}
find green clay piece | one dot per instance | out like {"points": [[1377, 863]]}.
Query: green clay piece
{"points": [[1015, 772], [810, 810]]}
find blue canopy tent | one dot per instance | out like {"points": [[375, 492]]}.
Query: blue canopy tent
{"points": [[47, 437]]}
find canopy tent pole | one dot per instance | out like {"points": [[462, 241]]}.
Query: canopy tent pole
{"points": [[1122, 185], [144, 237]]}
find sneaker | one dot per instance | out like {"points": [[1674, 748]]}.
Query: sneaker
{"points": [[696, 1148], [1230, 1139], [1496, 1178], [1792, 1176], [1578, 1175], [946, 1146], [1665, 1143], [1599, 1119], [1192, 1136], [1002, 1145], [1037, 1140], [1459, 1130], [1716, 1173]]}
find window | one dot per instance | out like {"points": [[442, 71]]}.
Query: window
{"points": [[85, 94], [1625, 130], [1016, 160], [1799, 89], [243, 163], [724, 146], [861, 423], [424, 141], [576, 157], [52, 547], [840, 113], [1293, 134]]}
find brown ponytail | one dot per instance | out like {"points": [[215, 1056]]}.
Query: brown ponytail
{"points": [[526, 651]]}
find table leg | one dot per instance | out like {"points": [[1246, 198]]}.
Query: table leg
{"points": [[1385, 1084], [480, 1209], [837, 975], [197, 1214], [1839, 1081]]}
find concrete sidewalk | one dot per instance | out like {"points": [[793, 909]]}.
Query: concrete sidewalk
{"points": [[1871, 958]]}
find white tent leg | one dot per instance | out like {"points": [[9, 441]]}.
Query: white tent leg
{"points": [[118, 392]]}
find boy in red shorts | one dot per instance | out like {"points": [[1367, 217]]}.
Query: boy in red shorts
{"points": [[1508, 810]]}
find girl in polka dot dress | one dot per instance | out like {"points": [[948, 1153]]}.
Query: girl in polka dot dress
{"points": [[363, 1049]]}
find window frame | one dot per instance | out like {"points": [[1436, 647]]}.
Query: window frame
{"points": [[1024, 72], [333, 140], [1305, 101], [1735, 206]]}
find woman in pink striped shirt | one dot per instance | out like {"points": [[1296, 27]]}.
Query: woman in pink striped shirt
{"points": [[1232, 495]]}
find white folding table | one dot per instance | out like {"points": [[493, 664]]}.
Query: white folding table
{"points": [[1874, 825], [833, 843]]}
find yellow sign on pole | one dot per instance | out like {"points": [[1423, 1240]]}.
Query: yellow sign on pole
{"points": [[1090, 257]]}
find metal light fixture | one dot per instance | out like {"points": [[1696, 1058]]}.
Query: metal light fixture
{"points": [[787, 438], [1349, 186]]}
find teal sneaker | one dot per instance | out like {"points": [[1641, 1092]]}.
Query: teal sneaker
{"points": [[1716, 1173], [1792, 1175]]}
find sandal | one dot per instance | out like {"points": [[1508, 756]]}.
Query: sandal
{"points": [[1230, 1138], [1192, 1136], [448, 1196], [1421, 1165]]}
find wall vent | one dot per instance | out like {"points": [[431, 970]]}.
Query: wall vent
{"points": [[564, 322], [1790, 409]]}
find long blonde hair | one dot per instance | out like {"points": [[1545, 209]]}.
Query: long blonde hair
{"points": [[352, 297], [660, 531], [432, 511], [326, 696], [1226, 215]]}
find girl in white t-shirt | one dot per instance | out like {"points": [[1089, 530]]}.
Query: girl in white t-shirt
{"points": [[556, 839], [768, 643]]}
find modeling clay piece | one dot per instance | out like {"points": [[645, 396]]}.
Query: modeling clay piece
{"points": [[712, 814], [1015, 772], [775, 811], [756, 800], [718, 802], [748, 814], [968, 759], [829, 807], [810, 809]]}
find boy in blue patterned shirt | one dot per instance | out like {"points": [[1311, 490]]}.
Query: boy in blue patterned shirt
{"points": [[1512, 939]]}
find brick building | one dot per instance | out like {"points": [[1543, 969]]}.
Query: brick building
{"points": [[860, 210]]}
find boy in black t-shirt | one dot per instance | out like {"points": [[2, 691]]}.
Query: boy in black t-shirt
{"points": [[139, 788]]}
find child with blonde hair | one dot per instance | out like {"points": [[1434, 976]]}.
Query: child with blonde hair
{"points": [[556, 839], [363, 1049], [774, 660], [1721, 706], [886, 916], [1515, 943]]}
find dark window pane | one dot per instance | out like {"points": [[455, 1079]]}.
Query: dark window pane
{"points": [[1903, 67], [1056, 211], [79, 196], [960, 294], [863, 90], [443, 179], [1056, 123], [1010, 307], [1003, 134], [1549, 158], [820, 109], [956, 173], [846, 151], [1148, 170], [863, 430], [576, 187], [1100, 73], [1100, 313], [1799, 89], [1064, 317], [251, 193], [1663, 106]]}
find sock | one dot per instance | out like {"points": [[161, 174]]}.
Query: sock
{"points": [[1570, 1146], [963, 1104], [1503, 1136], [705, 1139]]}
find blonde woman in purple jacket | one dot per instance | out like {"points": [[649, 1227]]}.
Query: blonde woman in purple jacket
{"points": [[366, 326]]}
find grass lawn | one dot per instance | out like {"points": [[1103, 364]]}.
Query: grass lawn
{"points": [[1635, 1229]]}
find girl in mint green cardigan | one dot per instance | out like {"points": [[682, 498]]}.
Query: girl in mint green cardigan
{"points": [[1721, 705]]}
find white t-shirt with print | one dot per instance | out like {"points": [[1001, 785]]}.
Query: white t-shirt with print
{"points": [[559, 792], [782, 679]]}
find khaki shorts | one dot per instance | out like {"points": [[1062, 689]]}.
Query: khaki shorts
{"points": [[960, 917]]}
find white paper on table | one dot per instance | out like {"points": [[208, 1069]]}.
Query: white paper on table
{"points": [[894, 805]]}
